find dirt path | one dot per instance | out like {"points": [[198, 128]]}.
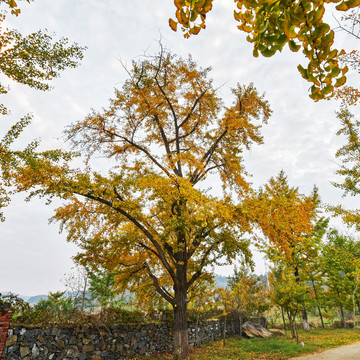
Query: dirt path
{"points": [[346, 352]]}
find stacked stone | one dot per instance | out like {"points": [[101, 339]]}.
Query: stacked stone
{"points": [[211, 330], [118, 342], [115, 343]]}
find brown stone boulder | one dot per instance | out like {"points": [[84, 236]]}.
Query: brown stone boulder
{"points": [[277, 332], [250, 329]]}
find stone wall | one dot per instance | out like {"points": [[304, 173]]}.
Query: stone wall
{"points": [[119, 342]]}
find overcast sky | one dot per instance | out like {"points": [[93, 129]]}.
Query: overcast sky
{"points": [[300, 137]]}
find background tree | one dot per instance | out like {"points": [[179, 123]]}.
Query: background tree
{"points": [[201, 301], [149, 219], [285, 217], [225, 302], [288, 291], [102, 288], [248, 293], [310, 263], [349, 154], [32, 60], [339, 257], [77, 284], [8, 158], [271, 25], [53, 310], [350, 23]]}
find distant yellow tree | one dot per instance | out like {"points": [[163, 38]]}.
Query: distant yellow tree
{"points": [[286, 218]]}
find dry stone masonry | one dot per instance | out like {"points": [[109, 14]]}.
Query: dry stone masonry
{"points": [[119, 342]]}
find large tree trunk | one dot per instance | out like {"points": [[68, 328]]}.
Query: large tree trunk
{"points": [[306, 325], [181, 340]]}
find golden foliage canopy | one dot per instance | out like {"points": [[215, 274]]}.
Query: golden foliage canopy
{"points": [[285, 216], [149, 219]]}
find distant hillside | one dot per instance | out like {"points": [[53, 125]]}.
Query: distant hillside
{"points": [[220, 281], [33, 300]]}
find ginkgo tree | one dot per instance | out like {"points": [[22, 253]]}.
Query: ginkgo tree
{"points": [[247, 293], [271, 25], [349, 155], [32, 60], [349, 24], [286, 218], [152, 220], [287, 291], [339, 261]]}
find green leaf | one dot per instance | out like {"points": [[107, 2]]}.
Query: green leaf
{"points": [[315, 89], [173, 24], [327, 89], [342, 6], [293, 46], [289, 29], [281, 41], [263, 26], [268, 52], [332, 54], [318, 14], [303, 72], [352, 3], [335, 72], [341, 81], [193, 15]]}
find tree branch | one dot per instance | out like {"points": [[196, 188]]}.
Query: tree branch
{"points": [[160, 254], [163, 292], [192, 109], [207, 156]]}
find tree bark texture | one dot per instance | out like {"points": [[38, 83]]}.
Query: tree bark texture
{"points": [[305, 321], [181, 340]]}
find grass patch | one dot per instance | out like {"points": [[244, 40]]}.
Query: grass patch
{"points": [[276, 348]]}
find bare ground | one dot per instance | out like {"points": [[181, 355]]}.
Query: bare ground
{"points": [[346, 352]]}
